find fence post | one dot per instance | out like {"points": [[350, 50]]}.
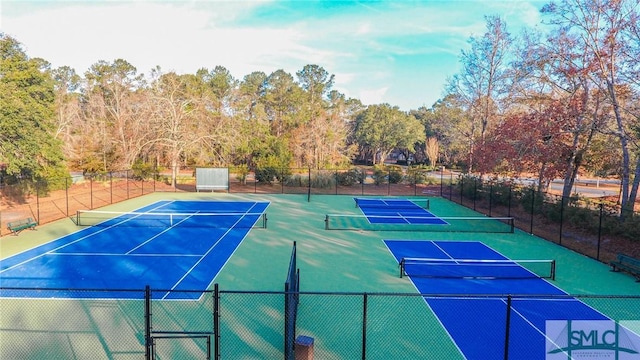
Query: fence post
{"points": [[309, 187], [91, 193], [38, 201], [388, 182], [490, 198], [507, 328], [461, 189], [66, 190], [364, 325], [415, 181], [441, 181], [509, 201], [475, 192], [533, 202], [147, 323], [600, 230], [561, 219], [216, 322], [451, 186]]}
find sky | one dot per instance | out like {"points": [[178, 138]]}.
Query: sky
{"points": [[398, 52]]}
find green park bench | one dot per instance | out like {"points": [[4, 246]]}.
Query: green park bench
{"points": [[628, 264], [19, 225]]}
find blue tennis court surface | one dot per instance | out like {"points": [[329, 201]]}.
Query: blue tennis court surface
{"points": [[183, 250], [476, 323], [396, 211]]}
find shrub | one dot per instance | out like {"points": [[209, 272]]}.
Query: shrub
{"points": [[349, 177], [395, 175], [142, 170], [296, 180], [379, 176], [241, 171], [266, 174], [323, 181]]}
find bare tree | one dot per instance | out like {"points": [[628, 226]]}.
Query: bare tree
{"points": [[482, 81], [432, 150]]}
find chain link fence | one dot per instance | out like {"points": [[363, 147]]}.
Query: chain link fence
{"points": [[55, 199], [225, 324], [593, 227]]}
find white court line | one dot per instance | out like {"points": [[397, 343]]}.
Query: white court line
{"points": [[128, 255], [210, 250], [158, 234]]}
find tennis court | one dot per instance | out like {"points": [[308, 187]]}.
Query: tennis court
{"points": [[172, 245], [472, 268], [352, 301], [397, 211]]}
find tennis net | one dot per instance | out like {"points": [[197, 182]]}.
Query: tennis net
{"points": [[392, 203], [419, 223], [478, 269], [161, 219]]}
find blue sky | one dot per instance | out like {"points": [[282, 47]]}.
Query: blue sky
{"points": [[396, 52]]}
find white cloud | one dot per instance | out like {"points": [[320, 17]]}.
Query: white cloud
{"points": [[373, 96], [366, 47]]}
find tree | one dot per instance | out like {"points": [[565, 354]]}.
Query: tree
{"points": [[115, 105], [69, 119], [28, 148], [448, 122], [555, 69], [531, 142], [173, 118], [598, 28], [282, 101], [316, 82], [432, 150], [482, 81], [382, 128], [316, 128]]}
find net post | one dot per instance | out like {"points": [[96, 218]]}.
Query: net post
{"points": [[513, 225], [401, 265], [326, 222], [553, 269]]}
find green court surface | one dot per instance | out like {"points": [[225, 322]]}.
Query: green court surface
{"points": [[339, 271]]}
